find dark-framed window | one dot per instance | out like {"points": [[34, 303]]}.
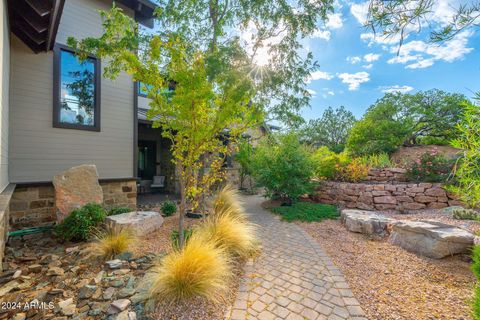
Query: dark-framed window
{"points": [[76, 90]]}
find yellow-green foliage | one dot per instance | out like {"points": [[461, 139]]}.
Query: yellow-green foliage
{"points": [[338, 166], [113, 241], [201, 269], [230, 231], [227, 200]]}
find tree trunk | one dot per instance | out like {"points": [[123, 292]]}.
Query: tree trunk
{"points": [[183, 205]]}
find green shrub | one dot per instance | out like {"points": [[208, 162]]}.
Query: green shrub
{"points": [[431, 167], [467, 171], [174, 236], [118, 210], [465, 214], [326, 162], [476, 272], [80, 223], [284, 167], [378, 160], [338, 166], [169, 208], [306, 211]]}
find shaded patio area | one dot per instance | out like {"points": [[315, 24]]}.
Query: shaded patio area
{"points": [[151, 199]]}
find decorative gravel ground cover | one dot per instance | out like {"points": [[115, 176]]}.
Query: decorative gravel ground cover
{"points": [[391, 283]]}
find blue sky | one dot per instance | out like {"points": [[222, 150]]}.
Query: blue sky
{"points": [[356, 69]]}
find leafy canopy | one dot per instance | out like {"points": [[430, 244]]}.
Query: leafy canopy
{"points": [[331, 130], [407, 119]]}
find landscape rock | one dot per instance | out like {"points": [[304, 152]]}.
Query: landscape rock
{"points": [[55, 271], [35, 268], [114, 264], [140, 222], [118, 306], [86, 291], [126, 315], [66, 307], [431, 238], [108, 293], [365, 222], [75, 188]]}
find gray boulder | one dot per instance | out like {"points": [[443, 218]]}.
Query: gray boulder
{"points": [[140, 222], [365, 222], [431, 238]]}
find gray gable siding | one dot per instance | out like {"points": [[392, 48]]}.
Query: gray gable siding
{"points": [[38, 150]]}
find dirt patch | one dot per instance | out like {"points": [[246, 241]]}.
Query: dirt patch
{"points": [[406, 155], [392, 283]]}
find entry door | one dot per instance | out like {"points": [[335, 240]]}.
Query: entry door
{"points": [[147, 156]]}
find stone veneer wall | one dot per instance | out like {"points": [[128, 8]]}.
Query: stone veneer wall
{"points": [[33, 206], [385, 196], [5, 198]]}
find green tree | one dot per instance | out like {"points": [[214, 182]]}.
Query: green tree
{"points": [[330, 130], [220, 82], [284, 167], [244, 158], [402, 17], [407, 119], [467, 171]]}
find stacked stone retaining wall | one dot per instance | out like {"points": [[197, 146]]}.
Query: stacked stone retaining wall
{"points": [[397, 196]]}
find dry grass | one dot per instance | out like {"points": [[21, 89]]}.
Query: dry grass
{"points": [[230, 231], [200, 269], [112, 241]]}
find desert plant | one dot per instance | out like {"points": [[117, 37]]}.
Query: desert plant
{"points": [[168, 208], [112, 241], [118, 210], [465, 214], [431, 167], [80, 223], [284, 167], [200, 269], [231, 232]]}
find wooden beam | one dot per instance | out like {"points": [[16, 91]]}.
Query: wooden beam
{"points": [[29, 15], [55, 15], [41, 7]]}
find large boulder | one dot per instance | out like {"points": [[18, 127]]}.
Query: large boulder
{"points": [[75, 188], [431, 238], [140, 222], [365, 222]]}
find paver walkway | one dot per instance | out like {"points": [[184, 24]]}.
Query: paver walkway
{"points": [[293, 278]]}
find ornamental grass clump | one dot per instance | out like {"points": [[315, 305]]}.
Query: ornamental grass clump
{"points": [[113, 241], [228, 201], [231, 232], [200, 269]]}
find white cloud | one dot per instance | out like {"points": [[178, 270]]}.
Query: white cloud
{"points": [[424, 54], [372, 39], [370, 57], [368, 66], [317, 75], [334, 21], [321, 34], [360, 11], [396, 88], [313, 93], [354, 79], [331, 93], [354, 60]]}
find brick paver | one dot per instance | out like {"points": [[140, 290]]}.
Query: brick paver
{"points": [[293, 278]]}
